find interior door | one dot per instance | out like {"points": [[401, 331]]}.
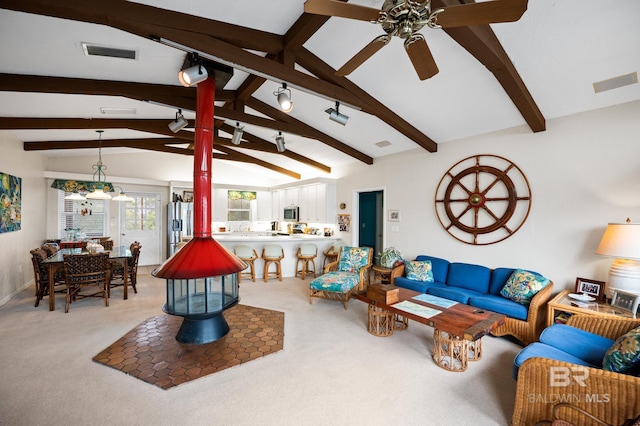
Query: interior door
{"points": [[140, 220], [370, 220]]}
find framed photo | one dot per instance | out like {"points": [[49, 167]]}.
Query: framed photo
{"points": [[394, 215], [591, 287], [187, 196], [626, 301]]}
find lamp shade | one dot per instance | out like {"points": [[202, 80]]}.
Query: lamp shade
{"points": [[621, 240]]}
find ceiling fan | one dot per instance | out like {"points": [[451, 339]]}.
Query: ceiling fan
{"points": [[403, 18]]}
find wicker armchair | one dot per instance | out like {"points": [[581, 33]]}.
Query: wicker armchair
{"points": [[611, 397], [347, 275], [528, 331]]}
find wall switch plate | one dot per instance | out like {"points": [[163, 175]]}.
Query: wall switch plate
{"points": [[395, 228]]}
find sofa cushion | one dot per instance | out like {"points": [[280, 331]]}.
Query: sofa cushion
{"points": [[471, 277], [419, 270], [540, 350], [458, 294], [336, 281], [500, 305], [523, 285], [439, 267], [624, 355], [415, 285], [579, 343]]}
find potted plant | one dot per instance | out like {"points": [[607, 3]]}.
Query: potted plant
{"points": [[390, 257]]}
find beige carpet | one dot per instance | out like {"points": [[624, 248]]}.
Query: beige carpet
{"points": [[330, 372]]}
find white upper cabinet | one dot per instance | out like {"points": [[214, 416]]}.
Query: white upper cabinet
{"points": [[264, 210]]}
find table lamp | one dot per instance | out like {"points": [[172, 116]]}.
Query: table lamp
{"points": [[622, 242]]}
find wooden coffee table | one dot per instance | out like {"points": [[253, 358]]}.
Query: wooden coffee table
{"points": [[458, 329]]}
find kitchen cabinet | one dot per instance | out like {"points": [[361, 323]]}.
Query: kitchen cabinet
{"points": [[264, 200], [291, 197], [276, 208], [220, 205], [317, 203]]}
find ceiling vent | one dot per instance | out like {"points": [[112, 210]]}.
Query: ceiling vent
{"points": [[111, 52], [615, 82], [382, 144]]}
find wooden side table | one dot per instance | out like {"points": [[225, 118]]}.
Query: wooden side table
{"points": [[381, 274], [562, 303]]}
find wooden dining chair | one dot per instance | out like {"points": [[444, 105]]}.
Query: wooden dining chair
{"points": [[41, 275], [87, 275], [118, 271]]}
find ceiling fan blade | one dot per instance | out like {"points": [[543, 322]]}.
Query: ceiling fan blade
{"points": [[421, 57], [481, 13], [366, 52], [341, 9]]}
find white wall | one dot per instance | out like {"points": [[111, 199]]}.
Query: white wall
{"points": [[16, 271], [584, 172]]}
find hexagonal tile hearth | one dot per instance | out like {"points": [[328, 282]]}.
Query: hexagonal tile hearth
{"points": [[151, 353]]}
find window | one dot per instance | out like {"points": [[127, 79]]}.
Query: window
{"points": [[141, 213], [239, 205], [84, 217]]}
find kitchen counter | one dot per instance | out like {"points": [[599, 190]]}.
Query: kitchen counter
{"points": [[289, 243]]}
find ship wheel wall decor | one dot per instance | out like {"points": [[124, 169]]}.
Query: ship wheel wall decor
{"points": [[483, 199]]}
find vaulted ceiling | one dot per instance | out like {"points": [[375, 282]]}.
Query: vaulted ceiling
{"points": [[491, 77]]}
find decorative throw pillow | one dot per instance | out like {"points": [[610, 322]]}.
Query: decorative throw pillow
{"points": [[523, 285], [624, 355], [419, 270]]}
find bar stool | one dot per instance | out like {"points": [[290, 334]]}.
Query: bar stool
{"points": [[306, 254], [272, 253], [248, 254], [331, 254]]}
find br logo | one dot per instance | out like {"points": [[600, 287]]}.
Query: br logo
{"points": [[564, 376]]}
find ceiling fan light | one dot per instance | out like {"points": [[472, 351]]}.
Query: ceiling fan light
{"points": [[193, 75], [280, 142]]}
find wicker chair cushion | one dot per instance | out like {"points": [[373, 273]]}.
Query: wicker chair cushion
{"points": [[588, 346], [352, 259], [624, 355], [336, 281], [523, 285], [540, 350], [419, 270]]}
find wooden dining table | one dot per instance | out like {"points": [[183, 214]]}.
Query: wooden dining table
{"points": [[56, 262]]}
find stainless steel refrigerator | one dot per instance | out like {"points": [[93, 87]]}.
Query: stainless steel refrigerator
{"points": [[180, 223]]}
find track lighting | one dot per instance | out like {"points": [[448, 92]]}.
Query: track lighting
{"points": [[284, 98], [237, 134], [121, 196], [194, 74], [179, 123], [335, 115], [280, 142]]}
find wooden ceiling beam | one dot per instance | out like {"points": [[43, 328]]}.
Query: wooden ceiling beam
{"points": [[481, 42], [102, 13]]}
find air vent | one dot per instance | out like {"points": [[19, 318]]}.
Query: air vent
{"points": [[111, 52], [107, 110], [615, 82], [382, 144]]}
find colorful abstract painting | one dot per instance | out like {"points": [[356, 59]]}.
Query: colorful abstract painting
{"points": [[10, 203]]}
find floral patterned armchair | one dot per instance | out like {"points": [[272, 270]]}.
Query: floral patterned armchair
{"points": [[348, 274]]}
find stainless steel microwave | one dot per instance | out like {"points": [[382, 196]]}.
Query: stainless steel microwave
{"points": [[291, 214]]}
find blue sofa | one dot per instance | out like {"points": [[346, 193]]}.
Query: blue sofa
{"points": [[480, 286]]}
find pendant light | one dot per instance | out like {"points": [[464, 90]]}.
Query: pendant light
{"points": [[99, 177]]}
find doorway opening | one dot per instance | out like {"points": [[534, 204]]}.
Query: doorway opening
{"points": [[370, 220]]}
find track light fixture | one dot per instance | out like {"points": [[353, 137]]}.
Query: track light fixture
{"points": [[280, 142], [335, 115], [179, 123], [194, 74], [284, 98], [237, 134]]}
